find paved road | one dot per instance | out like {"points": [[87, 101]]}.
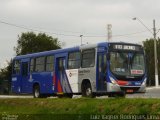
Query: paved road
{"points": [[151, 92]]}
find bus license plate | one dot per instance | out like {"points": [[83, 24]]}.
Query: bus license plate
{"points": [[129, 91]]}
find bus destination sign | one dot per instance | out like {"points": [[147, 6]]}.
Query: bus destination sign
{"points": [[125, 47]]}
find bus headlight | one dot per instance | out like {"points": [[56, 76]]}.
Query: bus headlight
{"points": [[112, 80], [144, 82]]}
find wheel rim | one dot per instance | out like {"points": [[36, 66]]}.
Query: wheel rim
{"points": [[88, 91]]}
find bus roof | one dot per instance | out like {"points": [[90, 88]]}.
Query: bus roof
{"points": [[46, 53], [102, 44]]}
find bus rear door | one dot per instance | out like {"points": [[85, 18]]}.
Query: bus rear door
{"points": [[61, 83], [25, 76]]}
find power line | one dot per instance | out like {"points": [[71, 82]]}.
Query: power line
{"points": [[130, 34], [120, 35], [23, 27], [73, 35]]}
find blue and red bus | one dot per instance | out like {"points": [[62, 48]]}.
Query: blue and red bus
{"points": [[90, 70]]}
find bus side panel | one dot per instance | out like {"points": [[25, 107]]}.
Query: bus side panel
{"points": [[87, 74], [16, 84], [45, 81], [72, 76]]}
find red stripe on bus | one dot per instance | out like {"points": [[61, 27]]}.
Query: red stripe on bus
{"points": [[59, 86]]}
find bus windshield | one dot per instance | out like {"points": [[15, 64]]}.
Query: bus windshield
{"points": [[127, 63]]}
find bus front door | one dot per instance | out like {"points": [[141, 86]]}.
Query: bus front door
{"points": [[61, 82], [101, 72]]}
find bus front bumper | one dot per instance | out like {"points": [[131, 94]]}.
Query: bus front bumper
{"points": [[113, 87], [128, 89], [134, 89]]}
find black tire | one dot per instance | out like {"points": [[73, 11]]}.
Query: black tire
{"points": [[36, 91], [87, 90]]}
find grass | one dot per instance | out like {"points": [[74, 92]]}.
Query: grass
{"points": [[81, 106]]}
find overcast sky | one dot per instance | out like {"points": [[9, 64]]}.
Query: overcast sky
{"points": [[76, 17]]}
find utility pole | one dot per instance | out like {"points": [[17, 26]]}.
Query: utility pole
{"points": [[155, 55], [81, 39], [154, 33]]}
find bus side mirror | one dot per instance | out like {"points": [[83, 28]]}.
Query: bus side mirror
{"points": [[108, 56]]}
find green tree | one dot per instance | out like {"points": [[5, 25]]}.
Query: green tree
{"points": [[149, 50], [30, 42], [5, 78], [4, 74]]}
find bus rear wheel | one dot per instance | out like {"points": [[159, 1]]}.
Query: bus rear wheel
{"points": [[36, 91], [87, 90]]}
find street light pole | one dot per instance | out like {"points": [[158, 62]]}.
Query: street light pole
{"points": [[155, 48]]}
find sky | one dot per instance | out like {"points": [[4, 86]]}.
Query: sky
{"points": [[68, 19]]}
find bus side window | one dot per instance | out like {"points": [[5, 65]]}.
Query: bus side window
{"points": [[25, 69], [16, 67], [49, 63], [40, 64], [74, 60], [32, 65], [88, 58]]}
